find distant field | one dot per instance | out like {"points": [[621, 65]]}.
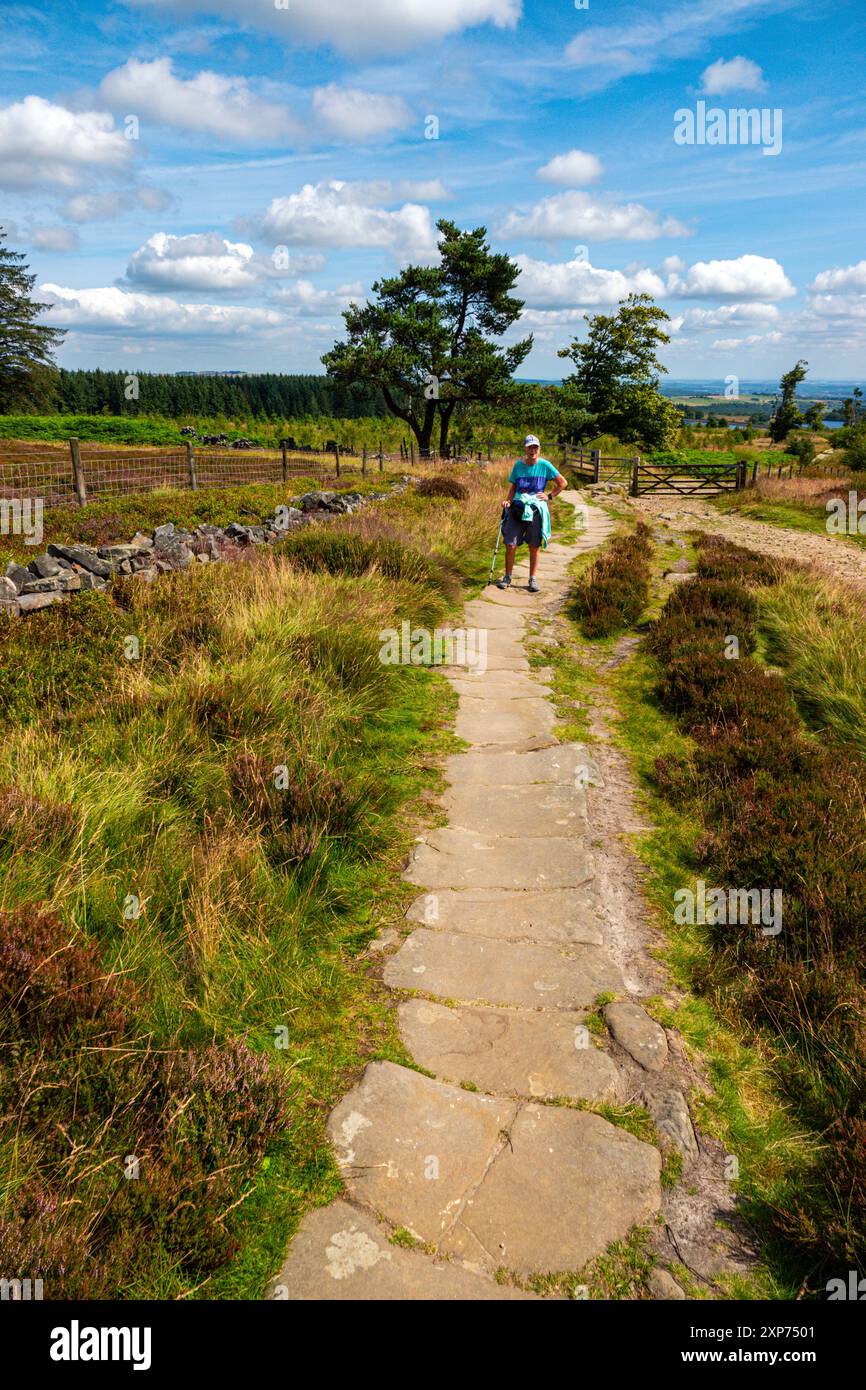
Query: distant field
{"points": [[158, 430]]}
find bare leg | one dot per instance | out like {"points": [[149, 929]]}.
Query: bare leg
{"points": [[510, 552], [533, 560]]}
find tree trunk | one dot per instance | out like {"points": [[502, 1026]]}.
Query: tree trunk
{"points": [[445, 413]]}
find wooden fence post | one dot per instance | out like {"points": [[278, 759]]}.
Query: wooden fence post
{"points": [[635, 474], [364, 463], [754, 472], [489, 450], [412, 451], [190, 466], [285, 453], [78, 480], [596, 466], [337, 458], [381, 457]]}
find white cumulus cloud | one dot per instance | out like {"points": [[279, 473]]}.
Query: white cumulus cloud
{"points": [[108, 307], [732, 75], [351, 114], [357, 27], [334, 213], [207, 103], [731, 315], [573, 169], [753, 340], [42, 143], [202, 261], [546, 284], [576, 214], [851, 277], [746, 277], [307, 300]]}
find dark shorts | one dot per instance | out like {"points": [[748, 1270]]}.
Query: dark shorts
{"points": [[517, 532]]}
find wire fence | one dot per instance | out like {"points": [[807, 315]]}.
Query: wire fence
{"points": [[71, 473]]}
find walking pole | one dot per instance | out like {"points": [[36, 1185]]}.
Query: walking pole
{"points": [[496, 549]]}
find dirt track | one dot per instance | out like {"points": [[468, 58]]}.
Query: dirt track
{"points": [[832, 554]]}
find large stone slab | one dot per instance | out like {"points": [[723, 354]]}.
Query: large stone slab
{"points": [[495, 658], [562, 762], [488, 720], [341, 1254], [559, 809], [508, 1052], [497, 685], [518, 599], [562, 916], [506, 641], [454, 858], [411, 1148], [566, 1185], [479, 613], [478, 969]]}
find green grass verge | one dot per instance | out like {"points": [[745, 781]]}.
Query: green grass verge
{"points": [[154, 778]]}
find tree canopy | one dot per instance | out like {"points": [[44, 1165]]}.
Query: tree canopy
{"points": [[617, 372], [427, 337], [788, 415], [26, 347]]}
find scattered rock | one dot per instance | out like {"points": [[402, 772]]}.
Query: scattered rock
{"points": [[661, 1284], [45, 566], [83, 556], [92, 581], [640, 1036], [28, 603], [672, 1120], [116, 553], [18, 576], [41, 586]]}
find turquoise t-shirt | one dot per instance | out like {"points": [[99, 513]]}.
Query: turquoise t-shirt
{"points": [[532, 477]]}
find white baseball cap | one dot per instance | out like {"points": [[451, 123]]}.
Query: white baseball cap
{"points": [[531, 439]]}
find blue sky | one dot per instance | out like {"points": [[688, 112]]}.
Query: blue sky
{"points": [[207, 183]]}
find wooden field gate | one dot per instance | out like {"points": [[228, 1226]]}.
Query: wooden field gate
{"points": [[642, 477]]}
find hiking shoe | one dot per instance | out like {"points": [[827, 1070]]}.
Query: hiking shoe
{"points": [[533, 585], [504, 582]]}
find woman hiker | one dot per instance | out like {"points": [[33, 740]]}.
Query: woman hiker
{"points": [[528, 519]]}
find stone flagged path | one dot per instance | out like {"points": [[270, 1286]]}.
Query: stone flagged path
{"points": [[503, 967]]}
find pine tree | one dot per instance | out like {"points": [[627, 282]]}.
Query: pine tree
{"points": [[27, 371]]}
